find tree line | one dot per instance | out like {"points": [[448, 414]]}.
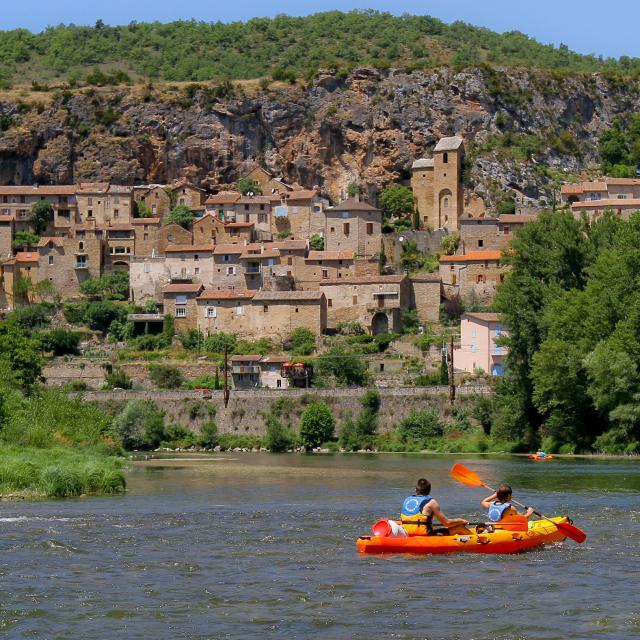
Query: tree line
{"points": [[285, 47]]}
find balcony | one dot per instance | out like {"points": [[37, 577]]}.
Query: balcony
{"points": [[184, 275], [253, 368], [81, 265], [252, 269]]}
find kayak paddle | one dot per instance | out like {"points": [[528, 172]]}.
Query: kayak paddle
{"points": [[472, 479]]}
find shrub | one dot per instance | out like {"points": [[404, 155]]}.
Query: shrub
{"points": [[396, 200], [203, 382], [191, 340], [317, 424], [316, 242], [278, 437], [247, 185], [209, 436], [117, 379], [346, 367], [181, 215], [352, 328], [165, 376], [217, 342], [176, 436], [419, 427], [60, 342], [147, 342], [31, 317], [450, 244], [304, 341], [140, 425]]}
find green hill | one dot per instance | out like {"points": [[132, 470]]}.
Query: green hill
{"points": [[283, 47]]}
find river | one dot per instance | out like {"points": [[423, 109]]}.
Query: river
{"points": [[263, 546]]}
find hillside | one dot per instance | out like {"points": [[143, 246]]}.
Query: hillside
{"points": [[284, 47]]}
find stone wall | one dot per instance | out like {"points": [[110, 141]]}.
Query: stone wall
{"points": [[245, 413]]}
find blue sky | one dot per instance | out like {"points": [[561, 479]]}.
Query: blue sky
{"points": [[586, 26]]}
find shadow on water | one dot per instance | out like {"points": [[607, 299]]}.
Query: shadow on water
{"points": [[258, 545]]}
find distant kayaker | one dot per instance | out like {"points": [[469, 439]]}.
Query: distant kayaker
{"points": [[541, 454], [419, 510], [499, 505]]}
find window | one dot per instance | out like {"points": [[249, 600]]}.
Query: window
{"points": [[116, 200], [296, 309], [239, 310], [80, 246], [211, 312], [480, 243], [181, 312], [325, 273], [454, 279], [505, 231], [381, 367], [154, 207], [354, 300], [116, 213], [119, 250], [181, 299], [81, 262], [170, 237], [346, 228], [329, 302], [369, 228], [278, 383], [474, 333], [486, 264], [145, 227], [474, 347], [262, 218], [231, 271], [480, 279], [196, 256], [181, 201], [445, 158], [265, 308], [333, 229], [147, 267], [196, 271], [90, 214], [261, 207], [145, 236], [246, 207], [225, 258], [50, 259], [445, 203], [289, 260]]}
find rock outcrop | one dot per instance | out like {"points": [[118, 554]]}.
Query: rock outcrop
{"points": [[522, 130]]}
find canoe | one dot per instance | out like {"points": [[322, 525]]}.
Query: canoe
{"points": [[539, 532], [533, 456]]}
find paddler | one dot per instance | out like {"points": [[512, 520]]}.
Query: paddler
{"points": [[419, 510], [499, 505]]}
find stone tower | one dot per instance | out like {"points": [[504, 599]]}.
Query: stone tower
{"points": [[437, 185]]}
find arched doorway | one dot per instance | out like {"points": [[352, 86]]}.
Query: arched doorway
{"points": [[379, 324]]}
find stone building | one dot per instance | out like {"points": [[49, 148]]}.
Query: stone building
{"points": [[225, 310], [7, 221], [376, 302], [256, 210], [23, 265], [245, 371], [490, 234], [300, 213], [353, 226], [68, 262], [475, 273], [170, 234], [324, 265], [268, 183], [191, 263], [437, 185], [180, 301], [278, 313], [228, 269], [271, 372], [155, 198], [223, 205], [17, 201], [426, 293], [101, 203], [187, 194], [148, 275], [146, 232]]}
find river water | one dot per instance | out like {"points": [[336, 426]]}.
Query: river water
{"points": [[263, 546]]}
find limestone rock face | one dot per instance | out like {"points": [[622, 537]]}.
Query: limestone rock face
{"points": [[366, 128]]}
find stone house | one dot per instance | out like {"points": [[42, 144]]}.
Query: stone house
{"points": [[479, 351], [187, 194], [228, 269], [148, 275], [300, 213], [278, 313], [490, 234], [210, 228], [257, 262], [119, 245], [190, 263], [101, 203], [324, 265], [170, 234], [225, 310], [475, 273], [256, 209], [353, 226], [426, 293], [222, 205], [437, 185], [245, 371], [268, 183], [155, 198], [68, 262], [180, 301], [376, 302], [271, 372], [7, 222], [23, 265], [146, 233], [240, 232]]}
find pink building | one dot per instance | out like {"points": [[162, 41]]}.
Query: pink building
{"points": [[478, 351]]}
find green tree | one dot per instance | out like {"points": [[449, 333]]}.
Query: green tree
{"points": [[111, 286], [303, 341], [216, 342], [140, 425], [420, 428], [165, 376], [142, 209], [117, 379], [344, 366], [22, 356], [247, 185], [397, 200], [317, 425], [24, 240], [353, 189], [60, 342], [99, 315], [278, 437], [41, 214], [316, 242], [22, 287], [449, 244], [182, 216]]}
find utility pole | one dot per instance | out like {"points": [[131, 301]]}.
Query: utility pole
{"points": [[452, 384], [226, 369]]}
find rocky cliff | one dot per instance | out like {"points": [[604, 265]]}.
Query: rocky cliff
{"points": [[524, 130]]}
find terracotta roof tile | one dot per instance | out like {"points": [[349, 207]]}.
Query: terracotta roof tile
{"points": [[267, 253], [473, 256], [254, 200], [43, 190], [301, 194], [188, 248], [284, 296], [44, 241], [250, 358], [224, 197], [192, 287], [222, 249], [226, 294], [352, 204], [290, 245], [517, 218], [484, 317], [365, 280], [145, 221], [239, 225], [613, 203], [27, 256], [330, 255]]}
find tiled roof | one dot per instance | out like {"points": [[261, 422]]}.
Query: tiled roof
{"points": [[449, 144], [27, 256], [621, 182], [473, 256], [224, 197], [239, 225], [581, 187], [517, 218], [426, 277], [44, 241], [351, 204], [92, 187], [266, 296], [119, 188], [301, 194], [290, 245], [188, 248], [423, 163], [118, 227], [330, 255], [145, 221], [226, 294], [365, 280], [251, 358], [484, 317], [192, 287], [254, 200], [613, 203], [7, 218], [222, 249], [267, 253], [43, 190], [275, 360]]}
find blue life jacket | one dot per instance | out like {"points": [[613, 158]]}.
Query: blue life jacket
{"points": [[497, 510], [412, 505]]}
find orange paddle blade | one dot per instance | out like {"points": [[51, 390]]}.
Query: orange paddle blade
{"points": [[571, 532], [466, 476]]}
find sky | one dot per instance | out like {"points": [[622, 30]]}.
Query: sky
{"points": [[586, 26]]}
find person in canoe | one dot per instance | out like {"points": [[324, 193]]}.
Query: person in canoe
{"points": [[419, 510], [499, 506], [541, 454]]}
